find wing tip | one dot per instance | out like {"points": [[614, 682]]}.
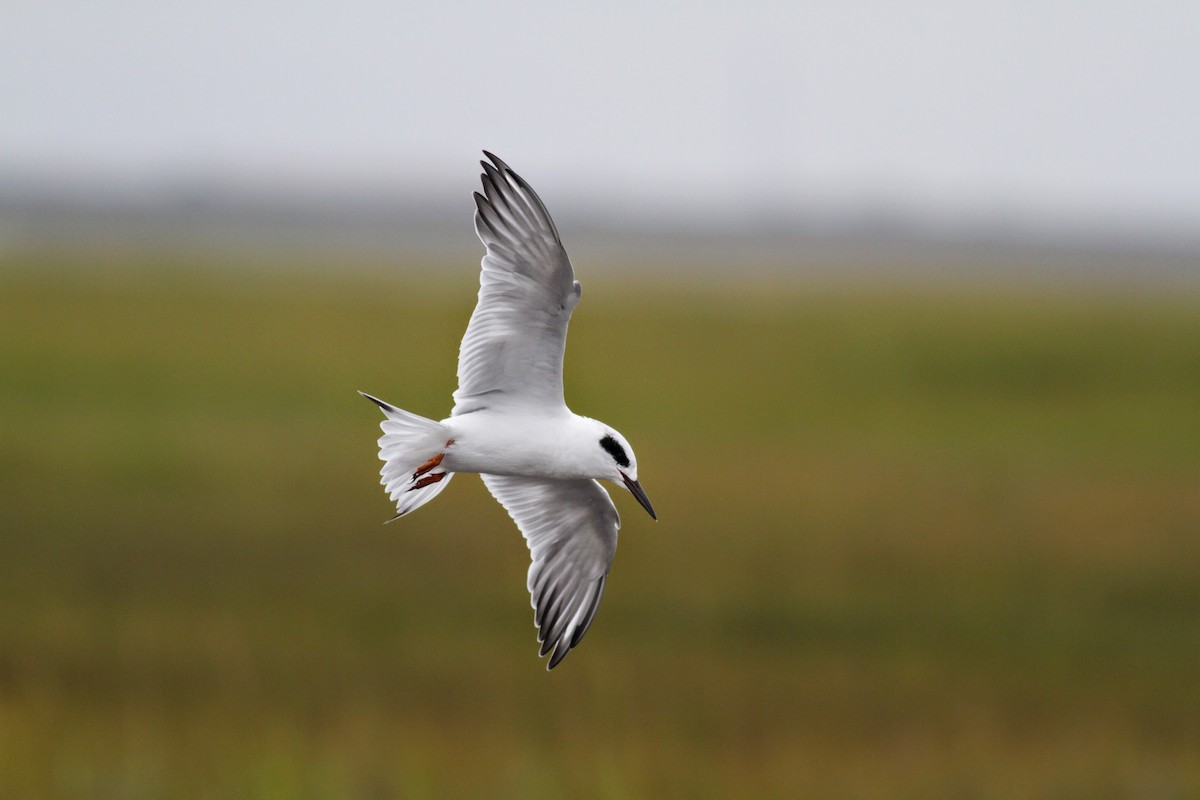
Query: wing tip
{"points": [[483, 212], [537, 207], [495, 159], [559, 654], [385, 406], [570, 637]]}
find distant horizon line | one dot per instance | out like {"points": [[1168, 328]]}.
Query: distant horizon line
{"points": [[387, 219]]}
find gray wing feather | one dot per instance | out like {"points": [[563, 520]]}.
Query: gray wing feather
{"points": [[512, 351], [570, 527]]}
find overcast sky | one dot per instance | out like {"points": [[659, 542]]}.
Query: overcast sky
{"points": [[1062, 112]]}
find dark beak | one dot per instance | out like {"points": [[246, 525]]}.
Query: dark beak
{"points": [[635, 489]]}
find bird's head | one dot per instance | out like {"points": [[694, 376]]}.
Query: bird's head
{"points": [[618, 463]]}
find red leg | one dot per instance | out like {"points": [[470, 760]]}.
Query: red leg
{"points": [[427, 480], [428, 465]]}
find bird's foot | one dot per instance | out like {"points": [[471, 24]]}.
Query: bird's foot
{"points": [[428, 465], [427, 480]]}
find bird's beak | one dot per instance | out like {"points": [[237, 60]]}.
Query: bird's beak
{"points": [[635, 489]]}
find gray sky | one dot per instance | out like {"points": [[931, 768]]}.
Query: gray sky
{"points": [[1056, 112]]}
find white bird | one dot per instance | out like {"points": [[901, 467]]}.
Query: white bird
{"points": [[510, 423]]}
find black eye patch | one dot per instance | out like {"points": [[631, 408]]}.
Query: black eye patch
{"points": [[615, 450]]}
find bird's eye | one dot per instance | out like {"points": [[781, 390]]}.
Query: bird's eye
{"points": [[615, 450]]}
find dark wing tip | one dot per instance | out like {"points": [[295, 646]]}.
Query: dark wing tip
{"points": [[559, 654], [495, 159], [377, 401], [554, 637], [486, 215]]}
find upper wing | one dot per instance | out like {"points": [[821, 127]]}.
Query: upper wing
{"points": [[512, 352], [570, 527]]}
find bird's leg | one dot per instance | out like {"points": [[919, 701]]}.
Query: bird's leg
{"points": [[433, 462], [427, 480], [428, 465]]}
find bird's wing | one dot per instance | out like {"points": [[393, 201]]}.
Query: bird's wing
{"points": [[512, 352], [570, 527]]}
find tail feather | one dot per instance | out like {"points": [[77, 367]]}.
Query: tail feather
{"points": [[408, 443]]}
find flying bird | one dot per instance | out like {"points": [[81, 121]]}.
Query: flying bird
{"points": [[510, 423]]}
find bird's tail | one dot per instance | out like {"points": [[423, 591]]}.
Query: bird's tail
{"points": [[411, 449]]}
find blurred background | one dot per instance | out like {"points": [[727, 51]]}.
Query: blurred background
{"points": [[900, 307]]}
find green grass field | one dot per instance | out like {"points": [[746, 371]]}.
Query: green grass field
{"points": [[933, 541]]}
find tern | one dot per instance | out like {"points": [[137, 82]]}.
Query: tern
{"points": [[510, 423]]}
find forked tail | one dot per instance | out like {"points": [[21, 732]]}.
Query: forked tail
{"points": [[411, 449]]}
